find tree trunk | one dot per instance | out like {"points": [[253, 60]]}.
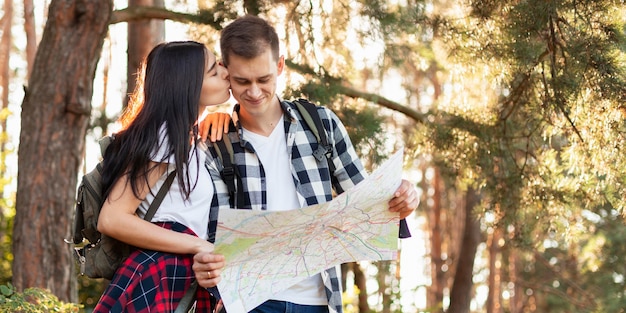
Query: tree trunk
{"points": [[345, 268], [54, 119], [31, 35], [384, 290], [517, 300], [461, 292], [5, 52], [494, 304], [435, 294], [361, 283], [143, 35], [5, 76]]}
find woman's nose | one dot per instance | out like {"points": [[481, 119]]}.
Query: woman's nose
{"points": [[223, 72]]}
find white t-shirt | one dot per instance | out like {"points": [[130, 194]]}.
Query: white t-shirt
{"points": [[282, 196], [193, 212]]}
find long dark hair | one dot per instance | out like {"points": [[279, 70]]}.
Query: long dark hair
{"points": [[167, 94]]}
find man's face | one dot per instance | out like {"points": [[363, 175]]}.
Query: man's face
{"points": [[253, 81]]}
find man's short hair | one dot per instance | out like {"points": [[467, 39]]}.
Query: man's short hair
{"points": [[248, 37]]}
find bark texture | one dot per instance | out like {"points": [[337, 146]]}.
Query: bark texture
{"points": [[461, 292], [54, 119], [143, 35]]}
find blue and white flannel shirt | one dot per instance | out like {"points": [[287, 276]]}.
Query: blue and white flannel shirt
{"points": [[310, 176]]}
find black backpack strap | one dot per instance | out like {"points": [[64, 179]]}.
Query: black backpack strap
{"points": [[229, 171], [159, 197], [309, 113], [188, 299]]}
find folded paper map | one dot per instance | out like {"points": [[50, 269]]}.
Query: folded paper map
{"points": [[267, 252]]}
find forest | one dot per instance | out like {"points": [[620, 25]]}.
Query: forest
{"points": [[511, 113]]}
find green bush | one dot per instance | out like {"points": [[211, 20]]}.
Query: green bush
{"points": [[32, 300]]}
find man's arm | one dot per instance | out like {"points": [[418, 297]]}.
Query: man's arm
{"points": [[349, 169], [350, 172]]}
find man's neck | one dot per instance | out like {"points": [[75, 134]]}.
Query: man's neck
{"points": [[262, 124]]}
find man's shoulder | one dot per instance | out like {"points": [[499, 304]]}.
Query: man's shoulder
{"points": [[230, 143], [323, 112]]}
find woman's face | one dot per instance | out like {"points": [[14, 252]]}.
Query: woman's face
{"points": [[216, 85]]}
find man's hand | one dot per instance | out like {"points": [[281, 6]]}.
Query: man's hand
{"points": [[208, 267], [217, 123], [405, 199]]}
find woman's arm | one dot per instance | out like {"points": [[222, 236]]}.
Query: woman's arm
{"points": [[118, 220]]}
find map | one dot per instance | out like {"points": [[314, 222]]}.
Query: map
{"points": [[267, 252]]}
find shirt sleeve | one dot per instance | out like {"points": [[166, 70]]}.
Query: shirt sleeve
{"points": [[349, 170]]}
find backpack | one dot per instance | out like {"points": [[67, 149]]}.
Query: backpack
{"points": [[101, 255]]}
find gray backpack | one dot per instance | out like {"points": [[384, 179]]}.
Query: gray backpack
{"points": [[98, 255]]}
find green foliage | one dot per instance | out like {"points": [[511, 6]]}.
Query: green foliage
{"points": [[365, 127], [6, 254], [7, 203], [603, 260], [7, 213], [89, 291], [32, 300], [548, 152], [552, 126]]}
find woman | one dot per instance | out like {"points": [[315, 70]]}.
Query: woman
{"points": [[159, 135]]}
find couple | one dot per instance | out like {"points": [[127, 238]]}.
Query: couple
{"points": [[160, 135]]}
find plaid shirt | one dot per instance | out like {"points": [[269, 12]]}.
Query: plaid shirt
{"points": [[311, 177], [153, 281]]}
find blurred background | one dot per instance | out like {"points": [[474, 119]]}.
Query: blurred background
{"points": [[512, 115]]}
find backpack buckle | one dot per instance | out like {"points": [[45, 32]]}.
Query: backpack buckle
{"points": [[228, 171], [79, 256], [322, 152]]}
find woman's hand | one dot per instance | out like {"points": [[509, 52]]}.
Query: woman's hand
{"points": [[215, 123]]}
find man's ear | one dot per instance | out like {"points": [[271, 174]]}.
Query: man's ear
{"points": [[280, 65]]}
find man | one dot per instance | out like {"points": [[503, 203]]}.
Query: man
{"points": [[274, 154]]}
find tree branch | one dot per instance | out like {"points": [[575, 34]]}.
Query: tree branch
{"points": [[454, 121], [138, 13], [382, 101], [208, 17]]}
